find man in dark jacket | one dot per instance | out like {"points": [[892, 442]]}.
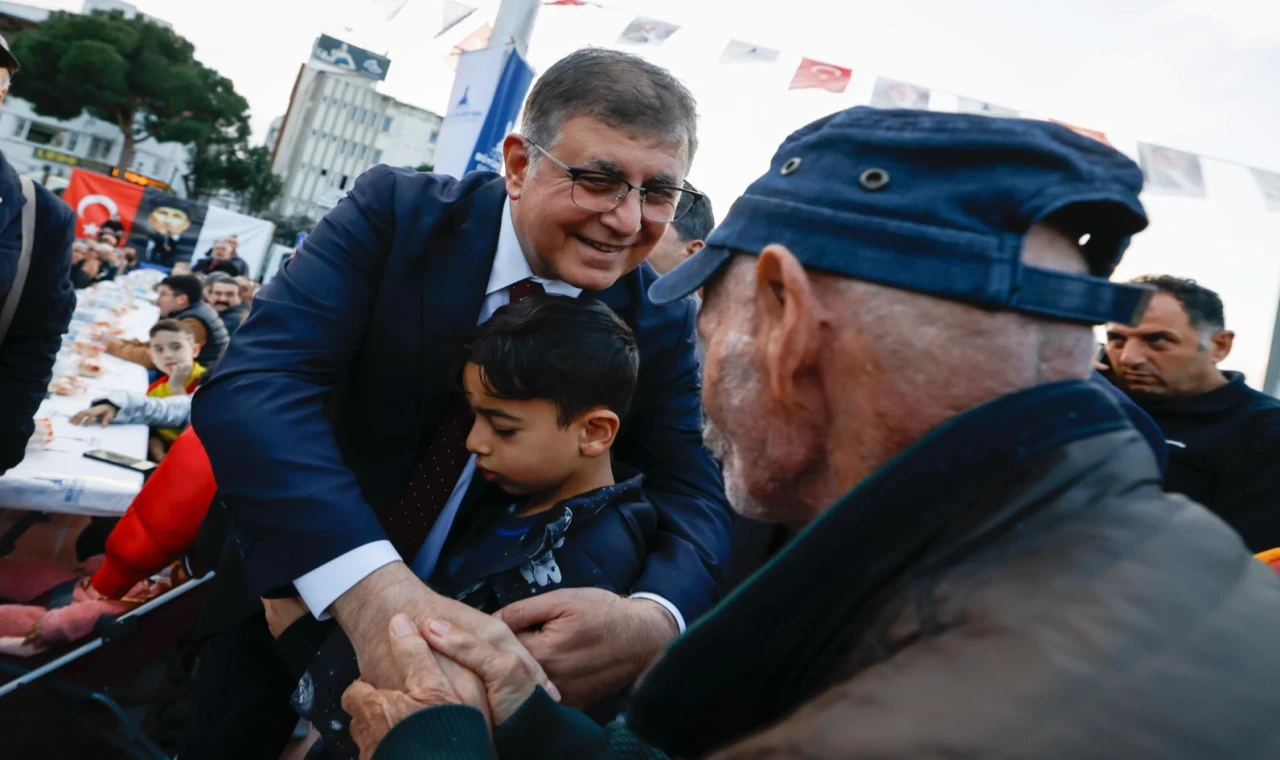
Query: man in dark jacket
{"points": [[222, 292], [337, 436], [47, 298], [223, 257], [1223, 436], [181, 297], [899, 311]]}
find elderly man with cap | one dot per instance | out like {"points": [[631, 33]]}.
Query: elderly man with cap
{"points": [[36, 296], [898, 324]]}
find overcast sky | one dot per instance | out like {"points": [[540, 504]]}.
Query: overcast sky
{"points": [[1199, 75]]}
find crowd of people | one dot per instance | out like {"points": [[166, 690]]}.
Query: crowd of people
{"points": [[494, 447]]}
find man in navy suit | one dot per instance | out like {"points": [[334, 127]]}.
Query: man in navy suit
{"points": [[332, 422]]}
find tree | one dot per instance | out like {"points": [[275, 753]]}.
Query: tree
{"points": [[138, 75], [236, 168], [425, 168]]}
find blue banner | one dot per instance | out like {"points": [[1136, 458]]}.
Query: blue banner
{"points": [[501, 118]]}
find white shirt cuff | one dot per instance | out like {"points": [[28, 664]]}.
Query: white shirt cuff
{"points": [[668, 606], [321, 587]]}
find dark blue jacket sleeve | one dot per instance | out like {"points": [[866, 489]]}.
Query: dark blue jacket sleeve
{"points": [[689, 556], [539, 729], [295, 503], [38, 325]]}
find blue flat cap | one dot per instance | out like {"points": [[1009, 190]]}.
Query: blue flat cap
{"points": [[939, 203]]}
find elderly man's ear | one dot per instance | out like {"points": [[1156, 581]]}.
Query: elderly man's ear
{"points": [[789, 325]]}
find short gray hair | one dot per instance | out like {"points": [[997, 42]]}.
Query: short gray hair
{"points": [[622, 90]]}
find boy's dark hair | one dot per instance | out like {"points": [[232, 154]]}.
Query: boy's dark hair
{"points": [[1203, 306], [577, 354], [185, 285], [172, 325]]}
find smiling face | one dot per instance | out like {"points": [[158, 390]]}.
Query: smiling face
{"points": [[588, 249], [519, 444]]}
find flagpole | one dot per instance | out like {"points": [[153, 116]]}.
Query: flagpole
{"points": [[514, 24]]}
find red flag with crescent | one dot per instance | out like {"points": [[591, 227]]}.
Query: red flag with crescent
{"points": [[97, 198], [820, 76]]}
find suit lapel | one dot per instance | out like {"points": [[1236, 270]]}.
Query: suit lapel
{"points": [[458, 265]]}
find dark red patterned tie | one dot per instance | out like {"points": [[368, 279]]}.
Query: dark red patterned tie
{"points": [[433, 479]]}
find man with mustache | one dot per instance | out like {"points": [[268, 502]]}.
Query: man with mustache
{"points": [[898, 324]]}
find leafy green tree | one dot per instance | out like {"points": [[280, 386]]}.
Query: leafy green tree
{"points": [[235, 168], [425, 168], [138, 75]]}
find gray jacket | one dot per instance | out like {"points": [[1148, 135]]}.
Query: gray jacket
{"points": [[141, 409]]}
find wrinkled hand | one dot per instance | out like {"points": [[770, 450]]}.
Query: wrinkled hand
{"points": [[508, 680], [375, 711], [592, 643], [366, 609], [282, 613], [98, 414]]}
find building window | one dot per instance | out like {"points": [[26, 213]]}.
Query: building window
{"points": [[19, 127], [353, 149], [73, 139], [342, 148], [354, 111], [377, 156], [386, 124], [100, 148], [314, 131], [342, 184], [324, 172], [362, 151], [43, 134]]}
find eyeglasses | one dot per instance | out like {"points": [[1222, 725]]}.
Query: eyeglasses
{"points": [[600, 192]]}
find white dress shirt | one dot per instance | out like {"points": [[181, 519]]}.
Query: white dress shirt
{"points": [[320, 587]]}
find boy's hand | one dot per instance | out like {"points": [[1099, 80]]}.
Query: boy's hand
{"points": [[282, 613], [98, 414], [179, 374]]}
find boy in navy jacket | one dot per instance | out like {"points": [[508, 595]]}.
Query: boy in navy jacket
{"points": [[549, 378]]}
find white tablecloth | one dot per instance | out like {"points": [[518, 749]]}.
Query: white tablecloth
{"points": [[58, 478]]}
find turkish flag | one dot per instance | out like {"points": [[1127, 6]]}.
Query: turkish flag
{"points": [[820, 76], [97, 197]]}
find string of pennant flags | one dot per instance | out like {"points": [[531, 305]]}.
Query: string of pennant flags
{"points": [[1167, 171]]}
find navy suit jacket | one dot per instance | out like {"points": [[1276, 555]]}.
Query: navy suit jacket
{"points": [[315, 416]]}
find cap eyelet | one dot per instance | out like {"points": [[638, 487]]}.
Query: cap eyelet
{"points": [[791, 165], [874, 179]]}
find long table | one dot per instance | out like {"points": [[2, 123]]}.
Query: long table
{"points": [[58, 477]]}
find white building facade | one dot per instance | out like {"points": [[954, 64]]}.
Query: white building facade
{"points": [[338, 126]]}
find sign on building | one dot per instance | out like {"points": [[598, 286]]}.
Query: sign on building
{"points": [[337, 53]]}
